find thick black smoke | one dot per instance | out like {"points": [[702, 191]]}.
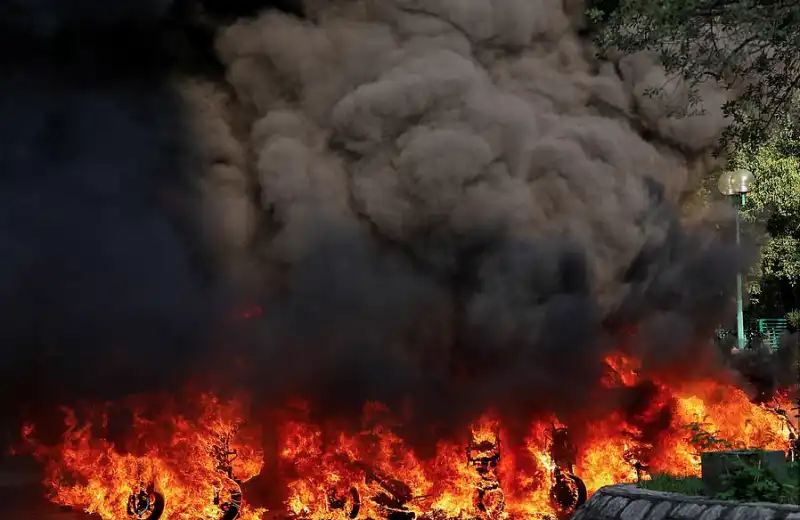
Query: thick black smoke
{"points": [[446, 202], [765, 371], [102, 286]]}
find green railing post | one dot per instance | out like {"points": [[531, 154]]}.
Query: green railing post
{"points": [[736, 184], [739, 298]]}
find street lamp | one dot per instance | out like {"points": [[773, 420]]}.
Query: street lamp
{"points": [[736, 184]]}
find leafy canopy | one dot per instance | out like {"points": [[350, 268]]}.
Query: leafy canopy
{"points": [[776, 194], [751, 47]]}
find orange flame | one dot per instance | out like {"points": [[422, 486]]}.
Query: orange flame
{"points": [[702, 416], [175, 455], [334, 472]]}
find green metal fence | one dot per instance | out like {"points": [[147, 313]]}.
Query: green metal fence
{"points": [[766, 330], [771, 329]]}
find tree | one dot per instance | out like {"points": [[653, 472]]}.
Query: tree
{"points": [[751, 47], [775, 203]]}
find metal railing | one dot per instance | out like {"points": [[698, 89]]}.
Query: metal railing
{"points": [[771, 329]]}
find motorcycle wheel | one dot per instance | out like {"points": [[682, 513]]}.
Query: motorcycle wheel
{"points": [[491, 502], [230, 503], [353, 503], [568, 493], [145, 505], [350, 503]]}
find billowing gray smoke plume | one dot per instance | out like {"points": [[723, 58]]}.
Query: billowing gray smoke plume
{"points": [[461, 201], [439, 200]]}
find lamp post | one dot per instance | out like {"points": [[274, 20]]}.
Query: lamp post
{"points": [[736, 184]]}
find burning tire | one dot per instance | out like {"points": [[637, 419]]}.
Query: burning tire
{"points": [[568, 493], [491, 502], [229, 501], [145, 505], [350, 503]]}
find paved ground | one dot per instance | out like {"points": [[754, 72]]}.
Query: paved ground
{"points": [[22, 498], [28, 504]]}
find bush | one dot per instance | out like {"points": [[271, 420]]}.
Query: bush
{"points": [[743, 482], [755, 483], [670, 484]]}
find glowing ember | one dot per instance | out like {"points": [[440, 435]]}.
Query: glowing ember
{"points": [[176, 467]]}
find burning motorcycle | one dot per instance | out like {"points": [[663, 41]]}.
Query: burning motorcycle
{"points": [[568, 492], [392, 499], [228, 492], [484, 456], [394, 496], [145, 503]]}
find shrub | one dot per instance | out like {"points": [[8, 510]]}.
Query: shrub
{"points": [[671, 484], [756, 483]]}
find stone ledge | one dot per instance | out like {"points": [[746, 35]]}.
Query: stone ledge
{"points": [[629, 502]]}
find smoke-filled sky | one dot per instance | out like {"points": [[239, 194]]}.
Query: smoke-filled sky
{"points": [[440, 200]]}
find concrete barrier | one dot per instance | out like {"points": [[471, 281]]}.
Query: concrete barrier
{"points": [[629, 502]]}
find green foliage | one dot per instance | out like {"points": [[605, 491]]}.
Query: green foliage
{"points": [[793, 317], [780, 258], [748, 482], [750, 46], [776, 187], [670, 484], [705, 440], [743, 482], [774, 203]]}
